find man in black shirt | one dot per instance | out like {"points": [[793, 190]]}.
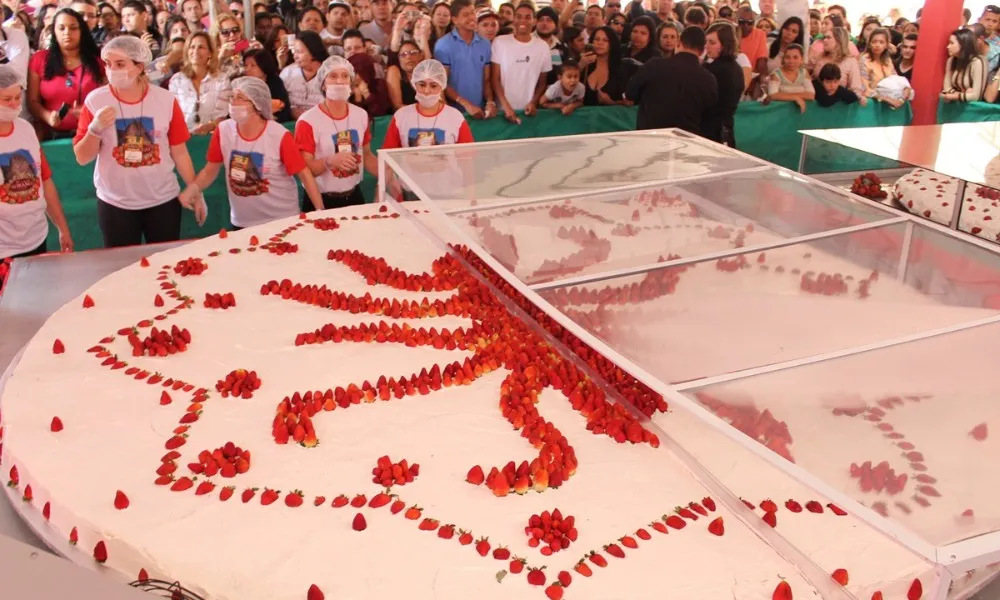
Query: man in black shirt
{"points": [[675, 91]]}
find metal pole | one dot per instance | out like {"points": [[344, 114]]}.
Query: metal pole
{"points": [[802, 154], [248, 19], [956, 212]]}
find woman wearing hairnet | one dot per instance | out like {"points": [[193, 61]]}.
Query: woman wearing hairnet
{"points": [[429, 122], [136, 132], [260, 157], [26, 189], [334, 137]]}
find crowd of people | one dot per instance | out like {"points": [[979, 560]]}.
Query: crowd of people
{"points": [[131, 80]]}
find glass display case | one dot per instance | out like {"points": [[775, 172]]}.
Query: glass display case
{"points": [[822, 334], [949, 174]]}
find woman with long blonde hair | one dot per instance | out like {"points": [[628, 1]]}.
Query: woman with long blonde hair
{"points": [[836, 50], [202, 90]]}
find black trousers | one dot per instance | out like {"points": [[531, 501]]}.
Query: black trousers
{"points": [[42, 249], [121, 227], [331, 200]]}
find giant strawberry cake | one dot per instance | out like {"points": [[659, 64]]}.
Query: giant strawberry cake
{"points": [[171, 424], [932, 196]]}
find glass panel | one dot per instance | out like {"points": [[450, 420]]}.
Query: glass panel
{"points": [[468, 175], [909, 430], [718, 316], [546, 241], [968, 151]]}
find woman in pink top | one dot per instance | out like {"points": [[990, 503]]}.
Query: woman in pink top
{"points": [[836, 50], [61, 78]]}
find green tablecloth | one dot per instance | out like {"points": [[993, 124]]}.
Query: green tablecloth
{"points": [[770, 132]]}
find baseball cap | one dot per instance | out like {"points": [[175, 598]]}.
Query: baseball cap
{"points": [[335, 3], [485, 14]]}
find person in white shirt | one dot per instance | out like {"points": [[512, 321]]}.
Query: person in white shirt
{"points": [[27, 193], [335, 138], [301, 78], [521, 61], [15, 50], [136, 131], [260, 158], [201, 89]]}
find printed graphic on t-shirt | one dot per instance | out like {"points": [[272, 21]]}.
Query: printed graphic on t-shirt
{"points": [[20, 178], [420, 136], [246, 174], [136, 147], [347, 140]]}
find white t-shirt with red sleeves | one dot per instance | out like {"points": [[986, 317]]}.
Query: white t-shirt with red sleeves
{"points": [[319, 134], [259, 172], [410, 128], [134, 167], [23, 168]]}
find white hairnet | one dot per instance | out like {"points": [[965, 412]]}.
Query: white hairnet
{"points": [[129, 46], [334, 63], [430, 70], [258, 93], [9, 77]]}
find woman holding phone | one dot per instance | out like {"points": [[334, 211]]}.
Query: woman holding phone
{"points": [[137, 134], [61, 77]]}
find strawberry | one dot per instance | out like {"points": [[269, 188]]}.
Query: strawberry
{"points": [[516, 565], [428, 524], [359, 501], [15, 479], [659, 526], [464, 537], [319, 500], [674, 522], [836, 510], [143, 262], [46, 511], [598, 559], [397, 506], [58, 347], [446, 532], [293, 499], [226, 493], [916, 591], [204, 487], [143, 576], [629, 542], [582, 568], [615, 550], [501, 553], [877, 595], [165, 398], [73, 537], [553, 592], [248, 495], [88, 302], [56, 426], [814, 507], [268, 496], [564, 578], [121, 500], [686, 513], [642, 534], [483, 546], [768, 506], [340, 501], [181, 485], [475, 476], [708, 503], [314, 593], [28, 494], [223, 234], [782, 591], [380, 500], [716, 527], [359, 523], [793, 506], [101, 552], [771, 519], [840, 576], [413, 513], [698, 509], [158, 301], [536, 576]]}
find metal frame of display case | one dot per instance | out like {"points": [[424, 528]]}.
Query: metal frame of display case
{"points": [[952, 559]]}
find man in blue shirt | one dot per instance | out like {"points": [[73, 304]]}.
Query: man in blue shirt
{"points": [[467, 58]]}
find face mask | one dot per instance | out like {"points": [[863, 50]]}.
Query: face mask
{"points": [[428, 100], [338, 92], [120, 78], [8, 114], [239, 113]]}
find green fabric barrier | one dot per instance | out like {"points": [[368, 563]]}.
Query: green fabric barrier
{"points": [[967, 112], [770, 132]]}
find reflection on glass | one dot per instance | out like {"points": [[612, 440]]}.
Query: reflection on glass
{"points": [[718, 316], [906, 430]]}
